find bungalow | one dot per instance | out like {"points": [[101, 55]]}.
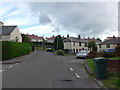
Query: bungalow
{"points": [[10, 33], [35, 38], [108, 45]]}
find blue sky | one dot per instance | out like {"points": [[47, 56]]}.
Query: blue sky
{"points": [[88, 19]]}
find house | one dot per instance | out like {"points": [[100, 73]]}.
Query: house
{"points": [[108, 45], [10, 33], [35, 38], [92, 39], [51, 39], [75, 44]]}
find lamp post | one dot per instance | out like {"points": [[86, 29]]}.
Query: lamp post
{"points": [[57, 36]]}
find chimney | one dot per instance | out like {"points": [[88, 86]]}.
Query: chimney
{"points": [[1, 24]]}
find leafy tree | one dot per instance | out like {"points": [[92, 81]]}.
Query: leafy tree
{"points": [[99, 39], [58, 43], [26, 39], [92, 45]]}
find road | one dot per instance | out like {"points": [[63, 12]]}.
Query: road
{"points": [[46, 70]]}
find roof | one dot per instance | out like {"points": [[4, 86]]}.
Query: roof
{"points": [[111, 41], [109, 38], [73, 39], [52, 38], [7, 30], [92, 39], [34, 37]]}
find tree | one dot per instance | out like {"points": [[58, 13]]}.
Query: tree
{"points": [[92, 45], [99, 39], [58, 43], [26, 39]]}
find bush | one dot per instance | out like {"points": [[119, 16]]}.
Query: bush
{"points": [[92, 55], [60, 52], [108, 54], [14, 49]]}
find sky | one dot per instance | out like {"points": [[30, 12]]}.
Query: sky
{"points": [[89, 19]]}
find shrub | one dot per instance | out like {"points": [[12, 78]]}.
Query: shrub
{"points": [[108, 54], [14, 49], [60, 52], [92, 55]]}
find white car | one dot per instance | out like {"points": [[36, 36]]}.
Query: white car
{"points": [[82, 54]]}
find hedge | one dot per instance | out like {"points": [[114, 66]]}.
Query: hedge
{"points": [[14, 49]]}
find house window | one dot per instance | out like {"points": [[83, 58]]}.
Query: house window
{"points": [[100, 46], [79, 43], [79, 49], [73, 43], [108, 45], [85, 44], [76, 50]]}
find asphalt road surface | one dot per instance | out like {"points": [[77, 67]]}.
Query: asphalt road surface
{"points": [[46, 70]]}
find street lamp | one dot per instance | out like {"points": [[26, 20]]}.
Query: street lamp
{"points": [[57, 36]]}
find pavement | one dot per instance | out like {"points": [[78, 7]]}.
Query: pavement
{"points": [[19, 59], [46, 70]]}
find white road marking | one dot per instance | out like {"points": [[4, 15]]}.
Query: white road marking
{"points": [[16, 64], [2, 70], [10, 66], [77, 75], [71, 69]]}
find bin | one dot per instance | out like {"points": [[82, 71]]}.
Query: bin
{"points": [[100, 67]]}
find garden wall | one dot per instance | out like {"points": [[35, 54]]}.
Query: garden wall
{"points": [[114, 66]]}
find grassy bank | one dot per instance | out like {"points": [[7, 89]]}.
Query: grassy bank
{"points": [[113, 80]]}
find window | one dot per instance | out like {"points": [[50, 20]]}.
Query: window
{"points": [[100, 46], [79, 49], [79, 43], [73, 43], [108, 45], [76, 50], [85, 44]]}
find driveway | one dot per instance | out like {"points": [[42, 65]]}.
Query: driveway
{"points": [[46, 70]]}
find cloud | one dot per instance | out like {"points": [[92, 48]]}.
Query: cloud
{"points": [[44, 19], [88, 19]]}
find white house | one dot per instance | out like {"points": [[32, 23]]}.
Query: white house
{"points": [[10, 33], [108, 45], [75, 44], [35, 38]]}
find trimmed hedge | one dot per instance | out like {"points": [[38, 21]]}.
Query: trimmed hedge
{"points": [[14, 49]]}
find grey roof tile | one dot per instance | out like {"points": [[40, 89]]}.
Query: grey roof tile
{"points": [[6, 30]]}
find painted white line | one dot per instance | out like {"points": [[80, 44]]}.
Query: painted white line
{"points": [[16, 64], [77, 75], [2, 70], [71, 69], [10, 66]]}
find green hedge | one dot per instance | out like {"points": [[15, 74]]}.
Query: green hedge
{"points": [[14, 49]]}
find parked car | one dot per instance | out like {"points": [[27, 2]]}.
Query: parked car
{"points": [[49, 49], [82, 54]]}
